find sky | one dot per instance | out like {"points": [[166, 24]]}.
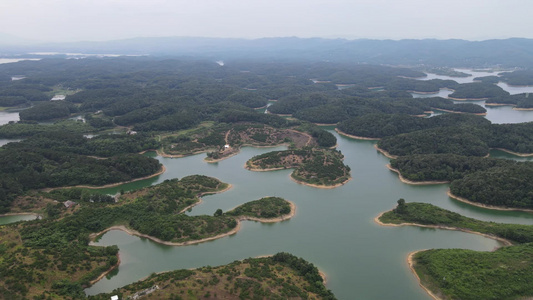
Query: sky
{"points": [[98, 20]]}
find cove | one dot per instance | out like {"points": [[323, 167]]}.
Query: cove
{"points": [[333, 229]]}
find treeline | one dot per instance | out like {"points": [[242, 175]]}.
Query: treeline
{"points": [[27, 129], [518, 77], [313, 166], [428, 214], [58, 244], [444, 167], [464, 274], [60, 241], [507, 270], [105, 145], [265, 208], [478, 90], [56, 159], [383, 125], [423, 86], [519, 100], [48, 111], [154, 96], [489, 181], [281, 276], [332, 108], [509, 186], [62, 272], [463, 135], [462, 140], [173, 196], [323, 137]]}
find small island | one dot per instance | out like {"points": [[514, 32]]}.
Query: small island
{"points": [[314, 167], [285, 276], [268, 209]]}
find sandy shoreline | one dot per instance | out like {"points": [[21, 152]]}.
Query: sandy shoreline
{"points": [[407, 181], [106, 272], [164, 154], [212, 161], [499, 104], [514, 153], [505, 242], [424, 93], [129, 231], [467, 99], [320, 186], [449, 193], [161, 171], [159, 241], [410, 256], [271, 220], [200, 200], [355, 136], [20, 214], [325, 124], [411, 264], [508, 104], [460, 112], [387, 154]]}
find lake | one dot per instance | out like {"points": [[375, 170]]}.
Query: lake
{"points": [[333, 229]]}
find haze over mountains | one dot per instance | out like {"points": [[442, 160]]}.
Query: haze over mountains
{"points": [[515, 52]]}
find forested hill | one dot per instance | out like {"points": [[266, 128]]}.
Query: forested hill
{"points": [[460, 53]]}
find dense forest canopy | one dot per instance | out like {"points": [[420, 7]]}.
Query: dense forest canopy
{"points": [[181, 106], [464, 139], [490, 181]]}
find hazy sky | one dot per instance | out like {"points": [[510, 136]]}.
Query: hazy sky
{"points": [[73, 20]]}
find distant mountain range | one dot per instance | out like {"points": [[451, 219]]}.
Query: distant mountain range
{"points": [[515, 52]]}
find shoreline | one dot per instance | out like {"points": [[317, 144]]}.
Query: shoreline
{"points": [[325, 124], [407, 181], [212, 161], [505, 242], [467, 99], [514, 153], [410, 256], [268, 169], [387, 154], [499, 104], [355, 136], [464, 200], [424, 93], [271, 220], [106, 272], [161, 171], [509, 104], [20, 214], [320, 186], [411, 264], [133, 232], [459, 112], [164, 154], [233, 231], [200, 200]]}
